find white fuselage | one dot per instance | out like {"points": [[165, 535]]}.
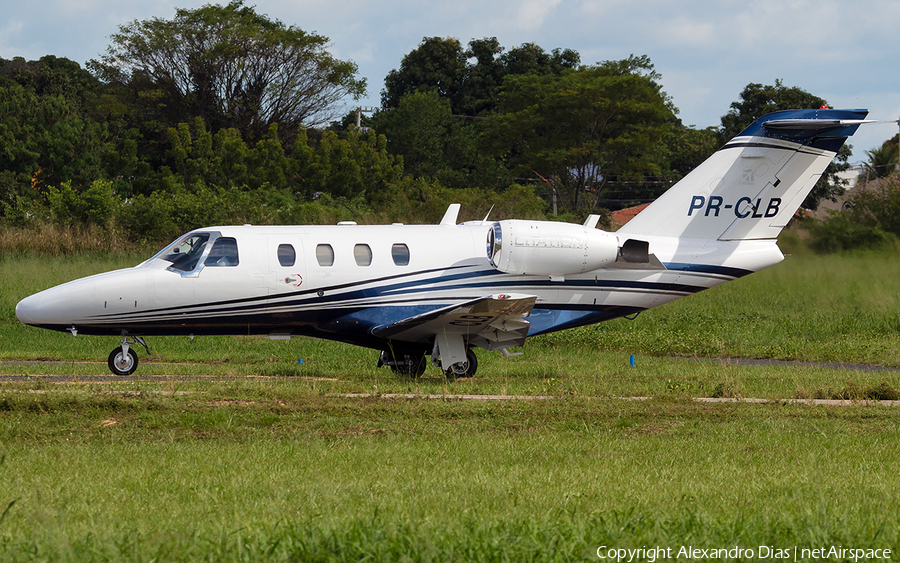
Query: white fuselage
{"points": [[341, 282]]}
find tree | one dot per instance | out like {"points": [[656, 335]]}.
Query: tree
{"points": [[483, 78], [871, 218], [529, 58], [44, 141], [688, 148], [418, 129], [231, 67], [53, 76], [579, 129], [357, 166], [883, 159], [758, 100], [48, 128], [441, 64], [436, 64], [434, 145], [438, 84]]}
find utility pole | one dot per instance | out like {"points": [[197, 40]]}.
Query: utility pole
{"points": [[359, 111]]}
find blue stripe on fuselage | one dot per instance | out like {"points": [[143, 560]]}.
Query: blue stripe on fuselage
{"points": [[342, 311], [706, 269]]}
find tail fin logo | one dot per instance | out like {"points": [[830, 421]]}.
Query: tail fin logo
{"points": [[743, 208], [748, 178]]}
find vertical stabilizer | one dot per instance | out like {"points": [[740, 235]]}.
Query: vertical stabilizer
{"points": [[750, 188]]}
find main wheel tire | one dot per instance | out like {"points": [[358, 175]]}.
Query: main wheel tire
{"points": [[410, 364], [463, 369], [417, 364], [122, 364]]}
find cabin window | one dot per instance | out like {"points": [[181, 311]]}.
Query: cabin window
{"points": [[363, 255], [223, 253], [287, 256], [325, 255], [400, 254]]}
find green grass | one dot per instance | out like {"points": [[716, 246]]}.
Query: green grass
{"points": [[305, 475], [264, 460], [810, 307]]}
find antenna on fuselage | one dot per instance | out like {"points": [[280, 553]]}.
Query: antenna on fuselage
{"points": [[488, 214]]}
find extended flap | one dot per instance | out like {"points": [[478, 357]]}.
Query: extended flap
{"points": [[495, 318]]}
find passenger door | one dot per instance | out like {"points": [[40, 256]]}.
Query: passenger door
{"points": [[287, 265]]}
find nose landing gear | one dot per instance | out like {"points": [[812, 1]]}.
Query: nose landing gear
{"points": [[123, 360]]}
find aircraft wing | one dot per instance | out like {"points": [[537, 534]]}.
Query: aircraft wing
{"points": [[493, 322]]}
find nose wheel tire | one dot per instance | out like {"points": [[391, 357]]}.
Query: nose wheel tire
{"points": [[122, 363]]}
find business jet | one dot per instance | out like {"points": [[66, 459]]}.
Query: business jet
{"points": [[420, 292]]}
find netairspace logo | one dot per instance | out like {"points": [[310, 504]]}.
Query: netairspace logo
{"points": [[687, 552]]}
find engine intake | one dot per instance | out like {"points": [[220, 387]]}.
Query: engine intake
{"points": [[549, 248]]}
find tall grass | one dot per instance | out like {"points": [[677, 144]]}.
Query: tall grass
{"points": [[46, 239]]}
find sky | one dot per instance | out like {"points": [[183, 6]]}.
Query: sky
{"points": [[707, 51]]}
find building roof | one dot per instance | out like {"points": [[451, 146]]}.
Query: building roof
{"points": [[622, 216]]}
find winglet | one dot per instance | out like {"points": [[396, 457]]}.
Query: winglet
{"points": [[591, 221], [450, 215]]}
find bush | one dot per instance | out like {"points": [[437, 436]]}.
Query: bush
{"points": [[871, 219], [148, 218], [839, 231], [93, 206]]}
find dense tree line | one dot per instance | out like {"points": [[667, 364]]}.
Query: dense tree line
{"points": [[224, 115]]}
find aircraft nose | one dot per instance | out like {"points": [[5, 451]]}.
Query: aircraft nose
{"points": [[31, 310], [80, 301], [56, 307]]}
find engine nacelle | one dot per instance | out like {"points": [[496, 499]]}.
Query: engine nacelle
{"points": [[549, 248]]}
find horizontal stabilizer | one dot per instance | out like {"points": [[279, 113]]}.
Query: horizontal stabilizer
{"points": [[814, 124]]}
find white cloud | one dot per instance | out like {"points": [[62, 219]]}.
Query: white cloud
{"points": [[10, 39], [607, 8], [683, 31], [12, 29], [531, 15]]}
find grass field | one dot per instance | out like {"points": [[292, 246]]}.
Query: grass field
{"points": [[264, 460]]}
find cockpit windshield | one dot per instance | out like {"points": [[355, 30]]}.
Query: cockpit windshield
{"points": [[185, 254], [195, 251]]}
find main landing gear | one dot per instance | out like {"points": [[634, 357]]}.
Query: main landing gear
{"points": [[123, 360], [404, 362], [412, 363], [466, 368]]}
